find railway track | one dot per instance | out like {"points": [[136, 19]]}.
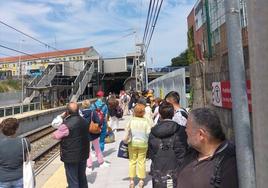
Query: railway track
{"points": [[44, 148], [39, 133], [46, 156]]}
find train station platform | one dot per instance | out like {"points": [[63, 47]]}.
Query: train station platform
{"points": [[115, 176]]}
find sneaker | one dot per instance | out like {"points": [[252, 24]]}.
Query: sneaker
{"points": [[89, 170], [104, 165], [93, 154]]}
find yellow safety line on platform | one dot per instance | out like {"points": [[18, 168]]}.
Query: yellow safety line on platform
{"points": [[58, 180]]}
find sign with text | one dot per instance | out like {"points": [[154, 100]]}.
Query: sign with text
{"points": [[221, 94]]}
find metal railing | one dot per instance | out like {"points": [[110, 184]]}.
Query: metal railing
{"points": [[19, 109], [80, 77], [37, 79], [166, 69]]}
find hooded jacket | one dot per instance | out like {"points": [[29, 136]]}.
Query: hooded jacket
{"points": [[167, 131]]}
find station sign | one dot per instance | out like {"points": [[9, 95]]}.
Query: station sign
{"points": [[221, 94]]}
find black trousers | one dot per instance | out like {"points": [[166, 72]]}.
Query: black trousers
{"points": [[76, 174]]}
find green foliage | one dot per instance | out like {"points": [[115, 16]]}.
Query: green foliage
{"points": [[191, 99], [9, 85], [181, 60], [191, 53]]}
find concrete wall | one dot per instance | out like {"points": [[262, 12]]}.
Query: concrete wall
{"points": [[73, 68], [115, 65], [173, 81], [32, 120], [202, 75], [10, 98]]}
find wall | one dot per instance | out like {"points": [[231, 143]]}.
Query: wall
{"points": [[35, 119], [10, 98], [115, 65], [202, 76], [173, 81]]}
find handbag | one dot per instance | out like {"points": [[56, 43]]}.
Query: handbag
{"points": [[28, 173], [123, 150], [110, 137], [94, 128]]}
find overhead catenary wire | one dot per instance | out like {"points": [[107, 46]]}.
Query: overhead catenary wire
{"points": [[147, 21], [153, 19], [27, 35], [153, 26], [33, 38]]}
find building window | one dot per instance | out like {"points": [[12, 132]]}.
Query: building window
{"points": [[243, 13], [216, 36]]}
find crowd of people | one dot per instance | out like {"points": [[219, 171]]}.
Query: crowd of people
{"points": [[186, 149]]}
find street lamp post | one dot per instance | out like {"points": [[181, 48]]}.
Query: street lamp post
{"points": [[21, 74]]}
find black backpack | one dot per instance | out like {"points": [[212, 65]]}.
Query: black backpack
{"points": [[164, 161]]}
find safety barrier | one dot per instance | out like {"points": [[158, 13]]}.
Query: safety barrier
{"points": [[19, 109]]}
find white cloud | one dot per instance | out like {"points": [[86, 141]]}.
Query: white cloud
{"points": [[83, 23]]}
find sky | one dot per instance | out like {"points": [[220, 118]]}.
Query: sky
{"points": [[112, 27]]}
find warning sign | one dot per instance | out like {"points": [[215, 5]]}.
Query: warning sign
{"points": [[216, 94], [221, 94]]}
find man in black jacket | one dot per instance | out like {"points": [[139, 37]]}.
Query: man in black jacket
{"points": [[211, 163], [167, 148], [74, 146]]}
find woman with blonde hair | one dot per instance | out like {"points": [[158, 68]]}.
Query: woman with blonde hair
{"points": [[90, 115], [137, 133]]}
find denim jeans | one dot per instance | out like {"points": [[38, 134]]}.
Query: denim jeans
{"points": [[12, 184], [76, 174]]}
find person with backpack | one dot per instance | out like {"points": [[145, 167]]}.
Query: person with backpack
{"points": [[90, 115], [102, 111], [167, 148], [115, 112], [211, 163], [180, 115]]}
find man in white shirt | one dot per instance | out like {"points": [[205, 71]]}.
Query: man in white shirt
{"points": [[180, 115]]}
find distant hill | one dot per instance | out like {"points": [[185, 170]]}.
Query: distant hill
{"points": [[10, 85]]}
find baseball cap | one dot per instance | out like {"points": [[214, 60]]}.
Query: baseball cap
{"points": [[100, 94]]}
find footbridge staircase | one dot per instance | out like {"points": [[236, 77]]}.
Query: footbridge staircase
{"points": [[81, 81], [40, 81]]}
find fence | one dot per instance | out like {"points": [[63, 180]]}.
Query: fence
{"points": [[18, 109], [173, 81]]}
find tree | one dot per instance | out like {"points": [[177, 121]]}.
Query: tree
{"points": [[181, 60]]}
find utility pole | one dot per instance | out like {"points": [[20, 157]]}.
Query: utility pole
{"points": [[140, 67], [21, 73], [258, 48], [240, 113]]}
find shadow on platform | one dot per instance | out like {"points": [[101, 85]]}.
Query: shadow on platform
{"points": [[108, 152], [91, 178], [147, 179]]}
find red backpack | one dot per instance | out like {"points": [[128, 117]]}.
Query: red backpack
{"points": [[100, 114]]}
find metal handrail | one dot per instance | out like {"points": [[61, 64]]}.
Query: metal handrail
{"points": [[79, 78], [37, 79]]}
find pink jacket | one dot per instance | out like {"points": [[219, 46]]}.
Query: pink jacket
{"points": [[61, 132]]}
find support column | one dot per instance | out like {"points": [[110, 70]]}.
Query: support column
{"points": [[258, 50], [240, 112]]}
